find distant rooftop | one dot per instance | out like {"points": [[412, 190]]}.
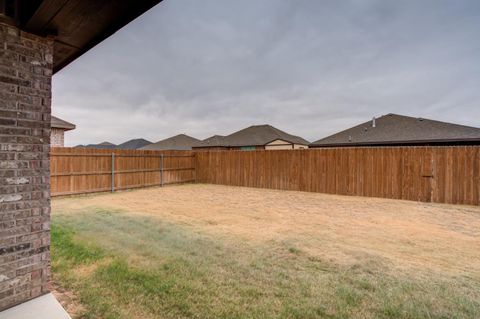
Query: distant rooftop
{"points": [[103, 145], [181, 142], [212, 141], [255, 135], [397, 129], [106, 144], [134, 144]]}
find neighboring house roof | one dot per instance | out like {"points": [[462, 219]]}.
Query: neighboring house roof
{"points": [[134, 144], [213, 141], [103, 145], [256, 135], [106, 144], [398, 129], [61, 124], [181, 142]]}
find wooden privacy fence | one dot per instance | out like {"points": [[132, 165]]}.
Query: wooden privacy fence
{"points": [[428, 174], [79, 170]]}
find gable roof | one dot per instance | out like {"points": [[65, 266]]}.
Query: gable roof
{"points": [[103, 145], [61, 124], [393, 129], [134, 144], [255, 135], [181, 142], [213, 141]]}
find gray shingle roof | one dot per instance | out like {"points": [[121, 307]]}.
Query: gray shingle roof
{"points": [[256, 135], [212, 141], [134, 144], [398, 129], [61, 124], [103, 145], [179, 142]]}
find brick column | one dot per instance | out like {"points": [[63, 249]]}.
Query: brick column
{"points": [[25, 98]]}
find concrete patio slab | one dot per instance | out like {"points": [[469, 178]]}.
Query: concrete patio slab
{"points": [[44, 307]]}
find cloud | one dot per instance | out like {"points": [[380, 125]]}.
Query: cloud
{"points": [[308, 67]]}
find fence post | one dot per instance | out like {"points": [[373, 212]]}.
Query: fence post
{"points": [[161, 170], [194, 167], [113, 172], [144, 173]]}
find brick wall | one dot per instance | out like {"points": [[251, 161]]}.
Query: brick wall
{"points": [[25, 95], [57, 137]]}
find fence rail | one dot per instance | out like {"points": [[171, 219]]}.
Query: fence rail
{"points": [[427, 174], [79, 171]]}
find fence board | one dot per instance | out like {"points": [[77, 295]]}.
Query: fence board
{"points": [[80, 170], [449, 174], [438, 174]]}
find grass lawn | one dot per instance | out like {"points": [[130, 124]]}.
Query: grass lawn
{"points": [[205, 251]]}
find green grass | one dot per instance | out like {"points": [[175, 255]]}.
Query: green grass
{"points": [[122, 265]]}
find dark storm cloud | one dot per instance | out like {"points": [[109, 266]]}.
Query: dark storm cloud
{"points": [[308, 67]]}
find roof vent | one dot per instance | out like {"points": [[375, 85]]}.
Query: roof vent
{"points": [[374, 122]]}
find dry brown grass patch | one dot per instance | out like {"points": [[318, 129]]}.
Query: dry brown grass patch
{"points": [[406, 235]]}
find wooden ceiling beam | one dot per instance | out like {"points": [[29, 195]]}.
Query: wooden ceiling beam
{"points": [[43, 15]]}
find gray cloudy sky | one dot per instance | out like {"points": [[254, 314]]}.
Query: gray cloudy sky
{"points": [[309, 67]]}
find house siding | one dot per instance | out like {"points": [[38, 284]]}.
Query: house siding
{"points": [[284, 145], [25, 95], [300, 147]]}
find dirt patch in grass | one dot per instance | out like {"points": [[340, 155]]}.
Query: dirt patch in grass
{"points": [[69, 301], [204, 251]]}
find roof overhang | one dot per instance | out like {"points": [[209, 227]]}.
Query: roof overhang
{"points": [[61, 124], [76, 26]]}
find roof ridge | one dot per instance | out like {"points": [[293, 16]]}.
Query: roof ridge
{"points": [[427, 119], [401, 128]]}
